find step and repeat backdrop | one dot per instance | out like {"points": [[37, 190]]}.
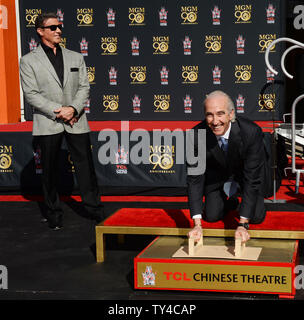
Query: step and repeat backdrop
{"points": [[154, 61], [157, 60], [20, 163]]}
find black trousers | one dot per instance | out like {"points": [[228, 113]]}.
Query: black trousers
{"points": [[79, 146], [217, 205]]}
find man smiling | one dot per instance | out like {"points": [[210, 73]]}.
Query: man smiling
{"points": [[235, 163]]}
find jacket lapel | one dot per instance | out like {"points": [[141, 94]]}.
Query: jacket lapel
{"points": [[234, 143], [66, 66], [40, 54], [214, 148]]}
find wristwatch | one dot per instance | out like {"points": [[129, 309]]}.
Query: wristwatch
{"points": [[244, 225]]}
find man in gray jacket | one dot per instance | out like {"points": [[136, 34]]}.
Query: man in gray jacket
{"points": [[55, 84]]}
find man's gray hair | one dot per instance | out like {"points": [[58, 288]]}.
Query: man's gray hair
{"points": [[217, 93]]}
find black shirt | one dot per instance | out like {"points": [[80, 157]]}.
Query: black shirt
{"points": [[56, 60]]}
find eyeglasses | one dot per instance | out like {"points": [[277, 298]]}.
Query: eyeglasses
{"points": [[53, 27]]}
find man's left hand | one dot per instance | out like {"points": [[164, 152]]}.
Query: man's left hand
{"points": [[65, 113], [242, 233], [73, 121]]}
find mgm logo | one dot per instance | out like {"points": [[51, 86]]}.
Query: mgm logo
{"points": [[137, 16], [91, 74], [30, 16], [161, 157], [213, 44], [265, 40], [190, 74], [189, 14], [109, 46], [110, 103], [6, 154], [267, 102], [243, 13], [161, 103], [243, 73], [161, 45], [63, 42], [85, 17], [138, 74]]}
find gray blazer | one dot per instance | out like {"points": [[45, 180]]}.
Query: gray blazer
{"points": [[44, 92]]}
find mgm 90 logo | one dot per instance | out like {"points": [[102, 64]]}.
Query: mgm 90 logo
{"points": [[110, 103], [189, 14], [63, 42], [213, 44], [161, 157], [190, 74], [138, 74], [137, 16], [85, 17], [91, 74], [267, 102], [161, 45], [161, 103], [243, 73], [109, 45], [6, 153], [31, 15], [242, 13], [265, 40]]}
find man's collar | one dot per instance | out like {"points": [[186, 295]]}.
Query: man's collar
{"points": [[47, 48], [227, 133]]}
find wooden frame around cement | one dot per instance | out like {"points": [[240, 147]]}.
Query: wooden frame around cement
{"points": [[102, 230]]}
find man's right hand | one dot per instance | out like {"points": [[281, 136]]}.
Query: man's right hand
{"points": [[65, 113], [196, 233]]}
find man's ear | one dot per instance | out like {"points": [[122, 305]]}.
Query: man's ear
{"points": [[39, 31], [232, 114]]}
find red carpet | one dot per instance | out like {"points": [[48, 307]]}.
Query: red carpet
{"points": [[180, 218]]}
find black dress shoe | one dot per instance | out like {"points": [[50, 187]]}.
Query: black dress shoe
{"points": [[55, 227], [55, 220]]}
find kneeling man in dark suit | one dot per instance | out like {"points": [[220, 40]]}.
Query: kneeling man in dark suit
{"points": [[235, 165]]}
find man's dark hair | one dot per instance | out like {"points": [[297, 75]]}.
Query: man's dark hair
{"points": [[39, 22]]}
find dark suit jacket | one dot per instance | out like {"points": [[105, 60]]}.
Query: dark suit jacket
{"points": [[245, 161]]}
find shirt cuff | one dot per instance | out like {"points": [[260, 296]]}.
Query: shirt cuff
{"points": [[197, 216]]}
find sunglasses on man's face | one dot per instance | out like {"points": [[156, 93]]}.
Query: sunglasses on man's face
{"points": [[53, 27]]}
